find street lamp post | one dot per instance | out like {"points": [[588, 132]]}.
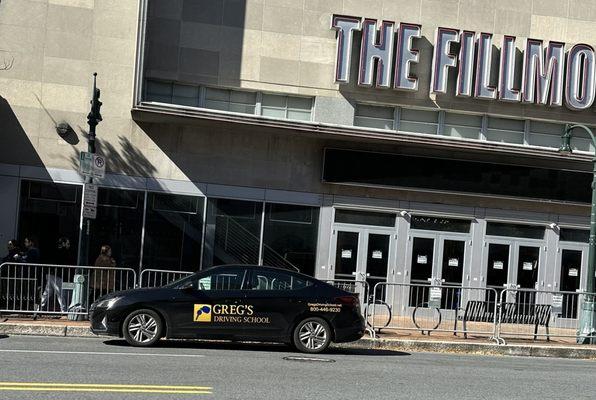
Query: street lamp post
{"points": [[586, 333]]}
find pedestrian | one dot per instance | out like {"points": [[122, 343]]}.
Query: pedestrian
{"points": [[13, 251], [31, 254], [63, 252], [103, 280]]}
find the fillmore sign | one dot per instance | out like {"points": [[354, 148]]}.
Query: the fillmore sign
{"points": [[549, 74]]}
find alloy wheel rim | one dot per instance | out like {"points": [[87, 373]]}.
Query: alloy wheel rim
{"points": [[142, 328], [313, 335]]}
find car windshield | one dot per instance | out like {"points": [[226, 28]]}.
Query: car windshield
{"points": [[181, 282]]}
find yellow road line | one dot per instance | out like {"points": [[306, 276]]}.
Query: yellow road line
{"points": [[73, 389], [99, 385]]}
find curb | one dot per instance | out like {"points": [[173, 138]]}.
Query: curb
{"points": [[45, 330], [489, 349]]}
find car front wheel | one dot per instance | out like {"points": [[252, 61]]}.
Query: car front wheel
{"points": [[142, 328], [313, 335]]}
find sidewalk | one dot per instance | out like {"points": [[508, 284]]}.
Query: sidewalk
{"points": [[408, 341]]}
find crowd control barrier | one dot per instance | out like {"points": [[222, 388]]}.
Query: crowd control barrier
{"points": [[529, 313], [50, 289], [159, 277], [427, 308]]}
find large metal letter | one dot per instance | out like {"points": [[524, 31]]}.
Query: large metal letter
{"points": [[507, 71], [482, 88], [579, 90], [466, 64], [542, 79], [406, 55], [370, 51], [443, 58], [345, 27]]}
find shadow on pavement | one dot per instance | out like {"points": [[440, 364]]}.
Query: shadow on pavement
{"points": [[3, 336], [253, 346]]}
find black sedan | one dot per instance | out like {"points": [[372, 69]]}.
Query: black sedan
{"points": [[234, 302]]}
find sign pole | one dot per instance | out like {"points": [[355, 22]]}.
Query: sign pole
{"points": [[586, 333], [89, 168]]}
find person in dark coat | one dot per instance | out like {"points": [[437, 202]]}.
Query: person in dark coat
{"points": [[64, 255], [31, 255], [13, 251], [103, 281]]}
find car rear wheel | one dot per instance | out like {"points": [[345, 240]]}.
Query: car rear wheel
{"points": [[142, 328], [313, 335]]}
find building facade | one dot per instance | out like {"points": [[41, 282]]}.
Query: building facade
{"points": [[389, 140]]}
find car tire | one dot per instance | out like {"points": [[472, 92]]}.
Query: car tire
{"points": [[312, 335], [142, 328]]}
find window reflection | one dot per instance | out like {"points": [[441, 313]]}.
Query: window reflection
{"points": [[173, 232], [118, 224], [233, 232], [49, 214], [290, 237]]}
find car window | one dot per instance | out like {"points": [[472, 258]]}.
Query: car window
{"points": [[227, 279], [276, 280]]}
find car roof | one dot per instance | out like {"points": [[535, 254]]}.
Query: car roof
{"points": [[255, 266]]}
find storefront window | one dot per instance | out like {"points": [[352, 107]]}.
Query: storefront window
{"points": [[233, 232], [49, 214], [290, 236], [118, 224], [173, 232]]}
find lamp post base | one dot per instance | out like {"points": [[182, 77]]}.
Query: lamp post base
{"points": [[586, 333]]}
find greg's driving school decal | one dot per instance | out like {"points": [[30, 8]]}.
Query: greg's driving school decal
{"points": [[202, 313], [324, 307], [232, 313]]}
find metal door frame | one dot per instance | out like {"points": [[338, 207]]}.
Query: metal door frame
{"points": [[514, 244], [363, 232], [559, 264], [439, 238]]}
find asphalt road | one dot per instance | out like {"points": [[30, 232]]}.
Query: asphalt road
{"points": [[79, 368]]}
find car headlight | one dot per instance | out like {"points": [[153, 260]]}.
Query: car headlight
{"points": [[108, 303]]}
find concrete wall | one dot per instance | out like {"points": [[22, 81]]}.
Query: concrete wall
{"points": [[55, 46], [288, 46], [270, 45]]}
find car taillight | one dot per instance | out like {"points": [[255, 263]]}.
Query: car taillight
{"points": [[351, 301]]}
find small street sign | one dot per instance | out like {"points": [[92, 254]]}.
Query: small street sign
{"points": [[92, 165], [89, 212], [90, 195], [86, 163], [99, 166]]}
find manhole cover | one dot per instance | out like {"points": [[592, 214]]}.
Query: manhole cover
{"points": [[308, 359]]}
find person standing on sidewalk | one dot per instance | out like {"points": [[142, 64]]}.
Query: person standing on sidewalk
{"points": [[102, 281]]}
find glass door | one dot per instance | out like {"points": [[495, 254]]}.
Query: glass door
{"points": [[346, 255], [453, 261], [362, 255], [572, 261]]}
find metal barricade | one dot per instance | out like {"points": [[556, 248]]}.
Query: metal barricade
{"points": [[159, 277], [361, 288], [428, 308], [58, 289], [529, 313]]}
